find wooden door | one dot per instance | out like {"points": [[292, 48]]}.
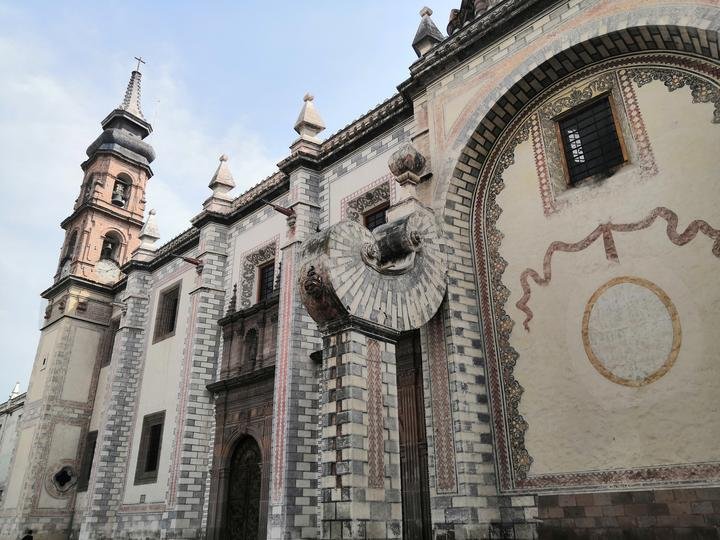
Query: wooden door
{"points": [[243, 508], [413, 441]]}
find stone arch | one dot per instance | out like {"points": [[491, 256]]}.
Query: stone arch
{"points": [[243, 509], [581, 47], [122, 190], [71, 245], [477, 171], [112, 244]]}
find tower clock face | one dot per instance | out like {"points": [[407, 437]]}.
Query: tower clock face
{"points": [[107, 271]]}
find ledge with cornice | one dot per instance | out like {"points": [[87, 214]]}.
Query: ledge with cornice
{"points": [[127, 215], [238, 381], [70, 280], [492, 25]]}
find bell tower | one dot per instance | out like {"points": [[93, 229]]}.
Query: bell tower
{"points": [[103, 229], [55, 436]]}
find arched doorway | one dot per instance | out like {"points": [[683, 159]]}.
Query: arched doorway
{"points": [[243, 505]]}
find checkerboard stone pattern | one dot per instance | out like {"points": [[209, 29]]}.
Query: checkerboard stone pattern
{"points": [[293, 504], [360, 440], [112, 454], [194, 429]]}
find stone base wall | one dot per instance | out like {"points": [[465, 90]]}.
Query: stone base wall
{"points": [[667, 513]]}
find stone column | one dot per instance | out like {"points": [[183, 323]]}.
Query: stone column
{"points": [[364, 289], [112, 454], [360, 442], [188, 484], [292, 511]]}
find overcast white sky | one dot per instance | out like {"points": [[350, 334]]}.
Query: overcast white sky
{"points": [[221, 77]]}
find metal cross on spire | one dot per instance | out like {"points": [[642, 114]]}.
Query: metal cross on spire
{"points": [[140, 61]]}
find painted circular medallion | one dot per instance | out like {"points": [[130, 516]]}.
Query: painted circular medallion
{"points": [[631, 331]]}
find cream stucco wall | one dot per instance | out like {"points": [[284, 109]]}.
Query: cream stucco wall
{"points": [[64, 443], [578, 419], [15, 481], [246, 240], [8, 438], [78, 377], [159, 389], [43, 359], [356, 180]]}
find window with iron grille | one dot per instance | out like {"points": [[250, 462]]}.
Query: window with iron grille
{"points": [[376, 218], [266, 281], [166, 316], [590, 140], [148, 463], [87, 461]]}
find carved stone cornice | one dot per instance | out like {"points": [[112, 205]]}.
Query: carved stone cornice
{"points": [[499, 20], [246, 379]]}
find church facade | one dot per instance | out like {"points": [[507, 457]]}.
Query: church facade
{"points": [[487, 308]]}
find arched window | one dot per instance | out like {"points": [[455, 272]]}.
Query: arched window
{"points": [[121, 191], [110, 247], [251, 347], [70, 249]]}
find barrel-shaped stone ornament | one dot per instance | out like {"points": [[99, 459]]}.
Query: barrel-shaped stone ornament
{"points": [[394, 276]]}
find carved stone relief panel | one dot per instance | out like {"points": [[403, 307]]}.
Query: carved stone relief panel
{"points": [[379, 193], [250, 263]]}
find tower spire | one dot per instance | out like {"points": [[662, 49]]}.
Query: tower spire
{"points": [[131, 101]]}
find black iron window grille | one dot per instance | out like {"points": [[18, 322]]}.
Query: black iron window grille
{"points": [[590, 141], [267, 281], [376, 218]]}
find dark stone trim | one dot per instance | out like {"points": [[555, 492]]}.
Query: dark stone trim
{"points": [[238, 381], [12, 405], [299, 159], [90, 205], [368, 328], [382, 118], [122, 156], [498, 21], [68, 281], [252, 310], [242, 211]]}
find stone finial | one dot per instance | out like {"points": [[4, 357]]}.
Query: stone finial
{"points": [[232, 305], [15, 391], [428, 35], [222, 181], [407, 165], [149, 234], [131, 101], [406, 160], [309, 123]]}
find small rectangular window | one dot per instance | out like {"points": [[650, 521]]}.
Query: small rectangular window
{"points": [[266, 281], [108, 341], [590, 140], [166, 315], [87, 461], [376, 217], [148, 463]]}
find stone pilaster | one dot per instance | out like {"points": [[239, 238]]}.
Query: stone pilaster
{"points": [[189, 482], [293, 483], [360, 440], [112, 454]]}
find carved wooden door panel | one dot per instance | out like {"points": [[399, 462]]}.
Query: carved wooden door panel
{"points": [[243, 508], [413, 442]]}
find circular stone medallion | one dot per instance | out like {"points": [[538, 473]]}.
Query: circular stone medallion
{"points": [[631, 331]]}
